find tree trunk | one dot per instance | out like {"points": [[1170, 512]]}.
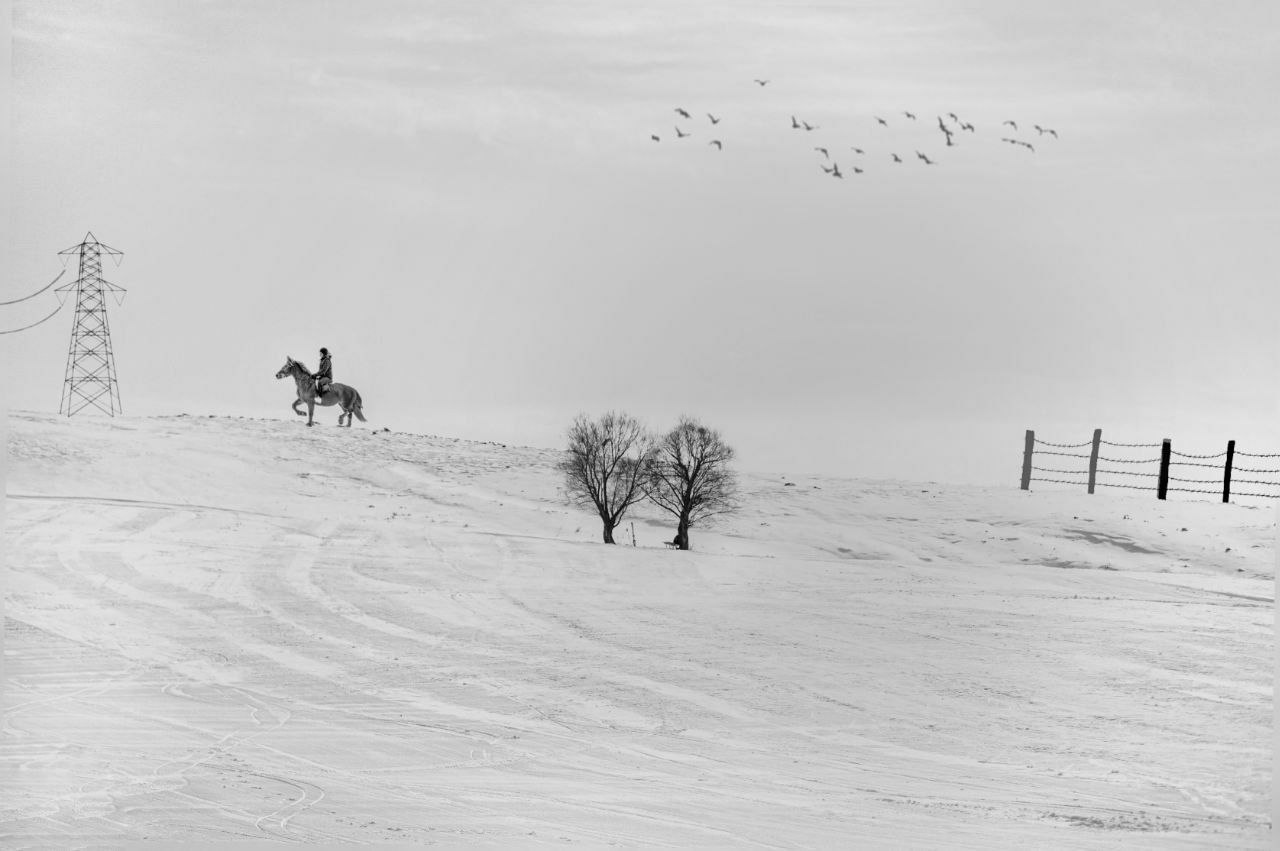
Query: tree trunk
{"points": [[682, 533], [608, 533]]}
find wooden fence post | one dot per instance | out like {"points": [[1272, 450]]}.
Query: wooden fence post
{"points": [[1026, 459], [1226, 471], [1166, 450], [1093, 458]]}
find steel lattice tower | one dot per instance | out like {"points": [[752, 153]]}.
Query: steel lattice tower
{"points": [[91, 368]]}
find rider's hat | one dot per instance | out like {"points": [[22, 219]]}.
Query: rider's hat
{"points": [[323, 350]]}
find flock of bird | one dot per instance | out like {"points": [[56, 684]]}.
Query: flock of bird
{"points": [[951, 127]]}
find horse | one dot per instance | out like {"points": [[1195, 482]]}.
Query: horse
{"points": [[337, 394]]}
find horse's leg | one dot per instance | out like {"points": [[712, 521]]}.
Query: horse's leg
{"points": [[296, 403], [311, 412]]}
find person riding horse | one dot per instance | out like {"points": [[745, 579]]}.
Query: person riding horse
{"points": [[343, 395], [323, 376]]}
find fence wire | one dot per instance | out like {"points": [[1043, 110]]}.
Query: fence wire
{"points": [[1130, 487], [1064, 445], [1056, 470], [1197, 481], [1195, 490], [1129, 460], [1126, 473], [1180, 484]]}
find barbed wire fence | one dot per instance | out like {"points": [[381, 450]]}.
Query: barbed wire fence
{"points": [[1152, 467]]}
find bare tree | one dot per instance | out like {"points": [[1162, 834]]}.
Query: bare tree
{"points": [[606, 466], [690, 477]]}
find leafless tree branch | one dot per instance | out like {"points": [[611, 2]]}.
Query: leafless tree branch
{"points": [[690, 477], [606, 466]]}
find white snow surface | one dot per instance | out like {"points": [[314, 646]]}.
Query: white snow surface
{"points": [[225, 629]]}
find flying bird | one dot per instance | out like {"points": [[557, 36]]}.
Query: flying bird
{"points": [[762, 82], [679, 134], [826, 168], [954, 117], [823, 151], [795, 125], [858, 150], [968, 127], [680, 111], [809, 126], [1043, 130], [949, 142], [857, 170], [909, 115], [1012, 124], [882, 121], [927, 161], [714, 120], [896, 158], [716, 142], [835, 171], [654, 138]]}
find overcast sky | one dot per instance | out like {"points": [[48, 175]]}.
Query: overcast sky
{"points": [[463, 202]]}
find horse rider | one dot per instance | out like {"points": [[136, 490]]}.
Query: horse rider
{"points": [[323, 376]]}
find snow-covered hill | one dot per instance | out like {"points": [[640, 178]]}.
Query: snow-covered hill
{"points": [[234, 629]]}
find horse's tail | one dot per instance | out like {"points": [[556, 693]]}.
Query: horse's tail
{"points": [[358, 408]]}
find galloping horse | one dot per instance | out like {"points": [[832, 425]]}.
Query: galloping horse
{"points": [[338, 394]]}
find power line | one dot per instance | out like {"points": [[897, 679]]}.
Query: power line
{"points": [[36, 293], [56, 311]]}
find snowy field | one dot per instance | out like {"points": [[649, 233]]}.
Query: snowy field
{"points": [[222, 630]]}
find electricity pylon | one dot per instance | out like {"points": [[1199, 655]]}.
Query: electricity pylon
{"points": [[91, 368]]}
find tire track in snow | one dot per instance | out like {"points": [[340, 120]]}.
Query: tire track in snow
{"points": [[136, 503]]}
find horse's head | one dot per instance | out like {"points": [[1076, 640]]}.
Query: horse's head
{"points": [[285, 370]]}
